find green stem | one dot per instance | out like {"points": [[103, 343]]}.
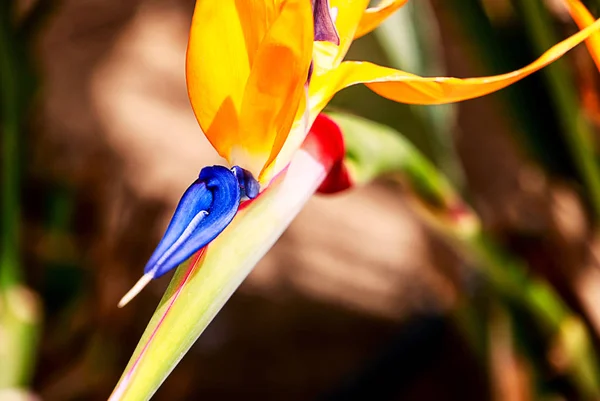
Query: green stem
{"points": [[553, 316], [19, 326], [373, 149], [509, 277], [578, 133], [19, 307], [10, 118]]}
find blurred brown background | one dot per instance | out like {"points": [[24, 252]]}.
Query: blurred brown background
{"points": [[350, 304]]}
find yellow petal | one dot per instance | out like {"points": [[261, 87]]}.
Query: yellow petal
{"points": [[374, 16], [583, 19], [224, 38], [275, 87], [412, 89], [348, 14]]}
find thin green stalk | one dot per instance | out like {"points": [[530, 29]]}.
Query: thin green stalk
{"points": [[19, 307], [373, 149], [509, 276], [10, 117], [19, 326], [569, 333], [578, 133]]}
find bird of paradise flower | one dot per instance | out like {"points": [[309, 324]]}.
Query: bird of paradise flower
{"points": [[259, 73]]}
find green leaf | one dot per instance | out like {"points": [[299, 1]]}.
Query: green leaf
{"points": [[374, 149]]}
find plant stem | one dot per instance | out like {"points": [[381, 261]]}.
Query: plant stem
{"points": [[510, 278], [10, 118], [19, 307], [373, 149], [19, 326], [569, 333]]}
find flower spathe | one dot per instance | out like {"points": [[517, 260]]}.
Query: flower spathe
{"points": [[248, 67], [200, 288]]}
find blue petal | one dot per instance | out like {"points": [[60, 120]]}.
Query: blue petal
{"points": [[205, 209]]}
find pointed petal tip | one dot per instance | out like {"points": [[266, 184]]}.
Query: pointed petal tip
{"points": [[135, 290]]}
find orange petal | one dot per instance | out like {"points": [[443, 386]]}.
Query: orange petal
{"points": [[297, 134], [412, 89], [583, 18], [374, 16], [348, 14], [224, 39], [275, 87]]}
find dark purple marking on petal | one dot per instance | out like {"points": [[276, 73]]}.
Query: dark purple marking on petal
{"points": [[249, 187], [324, 27]]}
